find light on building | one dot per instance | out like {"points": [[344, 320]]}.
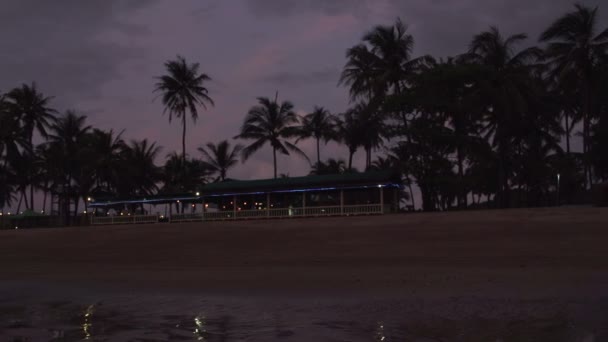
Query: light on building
{"points": [[89, 199], [245, 203], [193, 206], [206, 205], [198, 194], [177, 201]]}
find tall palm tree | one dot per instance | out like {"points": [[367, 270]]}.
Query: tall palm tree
{"points": [[272, 123], [577, 45], [67, 139], [32, 109], [350, 132], [183, 90], [320, 125], [219, 157], [507, 89]]}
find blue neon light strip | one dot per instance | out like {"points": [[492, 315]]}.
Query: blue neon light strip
{"points": [[198, 198]]}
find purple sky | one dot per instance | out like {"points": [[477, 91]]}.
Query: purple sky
{"points": [[100, 57]]}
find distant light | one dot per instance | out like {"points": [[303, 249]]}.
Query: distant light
{"points": [[121, 214], [16, 227], [230, 202], [177, 201], [84, 212], [1, 214], [379, 185], [558, 175], [193, 206], [42, 211], [162, 217], [21, 213], [9, 213], [245, 203], [198, 194], [89, 199], [206, 205]]}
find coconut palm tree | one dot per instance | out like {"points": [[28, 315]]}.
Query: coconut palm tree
{"points": [[32, 109], [183, 90], [271, 123], [67, 139], [219, 157], [330, 167], [576, 48], [107, 147], [319, 125], [350, 132], [140, 174], [507, 88]]}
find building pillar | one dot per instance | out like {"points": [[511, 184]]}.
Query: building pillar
{"points": [[341, 201], [268, 204], [381, 200], [304, 203], [234, 207], [203, 213]]}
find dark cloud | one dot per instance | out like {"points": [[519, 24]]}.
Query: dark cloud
{"points": [[296, 79], [291, 7], [69, 47]]}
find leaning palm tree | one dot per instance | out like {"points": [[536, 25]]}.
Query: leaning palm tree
{"points": [[183, 90], [577, 46], [219, 157], [319, 125], [272, 123]]}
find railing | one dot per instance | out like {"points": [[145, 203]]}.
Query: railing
{"points": [[185, 217], [129, 219], [364, 209]]}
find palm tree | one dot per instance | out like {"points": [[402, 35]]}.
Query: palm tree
{"points": [[141, 174], [67, 139], [350, 132], [318, 125], [575, 51], [330, 167], [107, 147], [507, 89], [220, 157], [32, 110], [272, 123], [183, 90]]}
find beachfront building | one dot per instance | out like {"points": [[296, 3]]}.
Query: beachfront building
{"points": [[324, 195]]}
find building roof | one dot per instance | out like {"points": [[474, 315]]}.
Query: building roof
{"points": [[239, 187]]}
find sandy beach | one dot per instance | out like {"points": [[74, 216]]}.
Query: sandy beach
{"points": [[505, 262]]}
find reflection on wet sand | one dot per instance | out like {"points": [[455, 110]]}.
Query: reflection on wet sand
{"points": [[146, 323]]}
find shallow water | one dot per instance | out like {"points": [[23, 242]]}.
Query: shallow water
{"points": [[27, 316]]}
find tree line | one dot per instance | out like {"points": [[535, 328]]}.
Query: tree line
{"points": [[490, 125]]}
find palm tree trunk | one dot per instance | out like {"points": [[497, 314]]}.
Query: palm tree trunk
{"points": [[274, 160], [32, 197], [318, 153], [184, 141], [19, 205], [567, 133], [350, 160], [44, 197], [25, 199]]}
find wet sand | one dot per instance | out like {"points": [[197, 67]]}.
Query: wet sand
{"points": [[457, 269]]}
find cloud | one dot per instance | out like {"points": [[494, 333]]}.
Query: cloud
{"points": [[68, 47], [297, 79], [283, 8]]}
